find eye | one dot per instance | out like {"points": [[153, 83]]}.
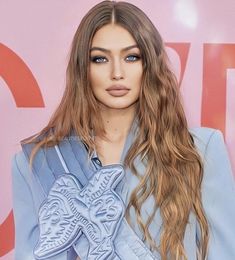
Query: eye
{"points": [[98, 59], [132, 57]]}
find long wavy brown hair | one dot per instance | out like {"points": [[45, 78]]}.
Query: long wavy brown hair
{"points": [[174, 169]]}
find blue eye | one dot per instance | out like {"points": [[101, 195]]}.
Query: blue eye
{"points": [[98, 59], [132, 58]]}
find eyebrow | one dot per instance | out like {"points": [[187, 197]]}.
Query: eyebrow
{"points": [[108, 51]]}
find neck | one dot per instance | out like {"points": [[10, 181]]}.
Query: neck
{"points": [[117, 122]]}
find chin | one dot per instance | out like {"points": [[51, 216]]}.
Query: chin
{"points": [[119, 106]]}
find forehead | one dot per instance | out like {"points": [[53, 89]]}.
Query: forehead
{"points": [[112, 36]]}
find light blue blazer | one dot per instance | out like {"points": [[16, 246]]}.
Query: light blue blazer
{"points": [[218, 195]]}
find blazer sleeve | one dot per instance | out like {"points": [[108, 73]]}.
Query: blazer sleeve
{"points": [[218, 196], [25, 217]]}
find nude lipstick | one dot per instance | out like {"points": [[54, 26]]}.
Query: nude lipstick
{"points": [[117, 90]]}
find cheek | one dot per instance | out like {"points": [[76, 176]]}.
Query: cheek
{"points": [[97, 75], [94, 81], [93, 75], [138, 80], [135, 72], [136, 77]]}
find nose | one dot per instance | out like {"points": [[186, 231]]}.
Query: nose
{"points": [[117, 70]]}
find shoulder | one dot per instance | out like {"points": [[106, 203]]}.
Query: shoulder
{"points": [[20, 164], [205, 138], [21, 169], [31, 173], [217, 191], [211, 146], [202, 132]]}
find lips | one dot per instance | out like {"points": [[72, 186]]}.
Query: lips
{"points": [[117, 90]]}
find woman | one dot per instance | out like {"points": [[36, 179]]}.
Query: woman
{"points": [[116, 173]]}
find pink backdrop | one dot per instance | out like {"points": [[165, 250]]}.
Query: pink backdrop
{"points": [[35, 37]]}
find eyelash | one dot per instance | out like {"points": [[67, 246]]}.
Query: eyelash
{"points": [[96, 58], [136, 57]]}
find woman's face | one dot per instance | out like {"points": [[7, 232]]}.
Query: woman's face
{"points": [[115, 67]]}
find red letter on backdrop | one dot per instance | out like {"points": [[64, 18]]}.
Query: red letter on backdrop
{"points": [[26, 93], [182, 49], [19, 79], [217, 59]]}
